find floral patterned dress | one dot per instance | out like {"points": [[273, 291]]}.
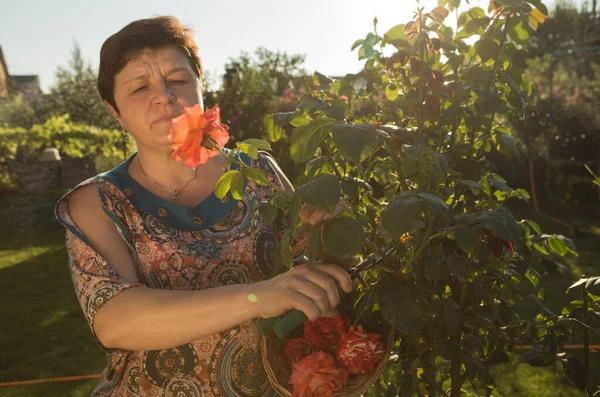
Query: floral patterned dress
{"points": [[217, 243]]}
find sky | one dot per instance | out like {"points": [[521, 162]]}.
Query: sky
{"points": [[37, 36]]}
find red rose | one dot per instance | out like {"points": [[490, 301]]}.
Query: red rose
{"points": [[317, 375], [295, 349], [360, 352], [325, 333]]}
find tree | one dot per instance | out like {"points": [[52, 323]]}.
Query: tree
{"points": [[75, 92], [255, 85]]}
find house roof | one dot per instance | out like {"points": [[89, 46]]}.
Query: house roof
{"points": [[25, 78]]}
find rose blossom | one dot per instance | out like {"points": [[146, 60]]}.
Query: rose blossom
{"points": [[295, 349], [197, 135], [325, 333], [360, 352], [317, 375]]}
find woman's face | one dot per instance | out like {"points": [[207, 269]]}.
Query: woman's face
{"points": [[153, 89]]}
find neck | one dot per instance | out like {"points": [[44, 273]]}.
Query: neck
{"points": [[159, 166]]}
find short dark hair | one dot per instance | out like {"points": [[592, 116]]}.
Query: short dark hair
{"points": [[152, 33]]}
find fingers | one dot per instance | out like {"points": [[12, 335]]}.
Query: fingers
{"points": [[338, 274], [313, 216], [305, 304], [318, 284], [327, 284], [318, 295]]}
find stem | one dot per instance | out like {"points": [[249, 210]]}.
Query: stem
{"points": [[586, 335], [422, 82], [455, 377], [243, 165], [397, 163], [425, 241]]}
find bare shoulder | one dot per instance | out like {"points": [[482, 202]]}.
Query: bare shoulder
{"points": [[85, 208]]}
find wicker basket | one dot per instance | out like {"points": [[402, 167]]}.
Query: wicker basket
{"points": [[278, 370]]}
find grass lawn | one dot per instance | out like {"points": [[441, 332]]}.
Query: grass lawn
{"points": [[45, 335]]}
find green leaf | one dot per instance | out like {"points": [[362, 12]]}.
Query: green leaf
{"points": [[321, 193], [578, 283], [539, 5], [487, 49], [295, 208], [451, 319], [595, 178], [397, 37], [558, 246], [440, 13], [316, 166], [279, 201], [533, 277], [433, 261], [536, 357], [355, 142], [300, 119], [259, 143], [576, 372], [399, 305], [257, 175], [306, 139], [273, 130], [500, 222], [356, 44], [268, 212], [402, 215], [237, 186], [344, 236], [467, 238], [519, 33], [457, 267], [283, 252], [224, 183], [474, 186], [250, 150], [433, 202], [314, 243], [391, 92], [320, 79]]}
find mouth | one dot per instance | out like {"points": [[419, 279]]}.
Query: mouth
{"points": [[167, 117]]}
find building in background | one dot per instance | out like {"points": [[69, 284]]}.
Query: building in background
{"points": [[25, 85], [3, 76]]}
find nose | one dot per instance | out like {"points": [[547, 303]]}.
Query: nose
{"points": [[164, 95]]}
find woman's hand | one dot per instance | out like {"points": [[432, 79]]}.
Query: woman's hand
{"points": [[311, 289], [312, 216]]}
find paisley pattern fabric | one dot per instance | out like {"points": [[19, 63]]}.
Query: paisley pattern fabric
{"points": [[215, 244]]}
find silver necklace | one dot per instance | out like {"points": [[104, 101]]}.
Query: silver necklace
{"points": [[175, 193]]}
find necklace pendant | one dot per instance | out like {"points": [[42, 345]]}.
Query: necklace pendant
{"points": [[175, 195]]}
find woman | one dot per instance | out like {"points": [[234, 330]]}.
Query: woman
{"points": [[169, 277]]}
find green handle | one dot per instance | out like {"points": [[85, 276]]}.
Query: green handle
{"points": [[266, 325], [290, 321]]}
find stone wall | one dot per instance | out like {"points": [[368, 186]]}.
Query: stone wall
{"points": [[45, 176]]}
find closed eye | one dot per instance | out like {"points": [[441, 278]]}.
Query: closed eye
{"points": [[139, 89]]}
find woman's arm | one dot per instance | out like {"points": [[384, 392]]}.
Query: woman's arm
{"points": [[150, 319]]}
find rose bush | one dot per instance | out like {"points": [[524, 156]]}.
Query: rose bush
{"points": [[425, 199]]}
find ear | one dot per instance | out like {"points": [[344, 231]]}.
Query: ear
{"points": [[115, 114]]}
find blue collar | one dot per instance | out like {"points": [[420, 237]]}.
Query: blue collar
{"points": [[181, 217]]}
